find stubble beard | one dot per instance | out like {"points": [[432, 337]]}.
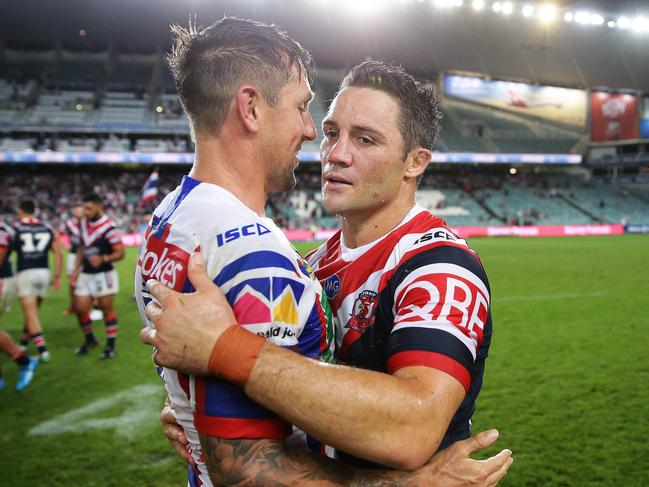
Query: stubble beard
{"points": [[283, 181]]}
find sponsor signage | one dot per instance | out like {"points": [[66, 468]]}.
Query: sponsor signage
{"points": [[540, 231], [563, 105], [613, 116], [44, 157], [644, 122], [636, 228]]}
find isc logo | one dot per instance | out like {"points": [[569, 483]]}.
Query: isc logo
{"points": [[436, 235], [245, 231]]}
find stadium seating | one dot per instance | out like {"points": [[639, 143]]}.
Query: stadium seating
{"points": [[77, 144], [132, 98], [116, 144], [470, 127], [609, 203], [76, 102], [10, 144]]}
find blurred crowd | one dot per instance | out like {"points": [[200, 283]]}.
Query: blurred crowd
{"points": [[497, 197]]}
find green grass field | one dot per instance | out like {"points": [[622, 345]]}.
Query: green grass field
{"points": [[566, 381]]}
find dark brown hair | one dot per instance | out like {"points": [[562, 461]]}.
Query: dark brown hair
{"points": [[419, 118], [210, 64]]}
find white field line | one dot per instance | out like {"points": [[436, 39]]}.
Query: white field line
{"points": [[141, 409], [548, 297]]}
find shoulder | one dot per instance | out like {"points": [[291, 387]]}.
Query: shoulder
{"points": [[438, 250], [325, 251]]}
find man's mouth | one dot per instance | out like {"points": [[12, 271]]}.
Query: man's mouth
{"points": [[334, 179]]}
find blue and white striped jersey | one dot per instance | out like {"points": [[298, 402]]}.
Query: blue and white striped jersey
{"points": [[270, 287]]}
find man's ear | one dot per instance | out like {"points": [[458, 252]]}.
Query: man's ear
{"points": [[247, 101], [417, 162]]}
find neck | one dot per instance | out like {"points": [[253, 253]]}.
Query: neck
{"points": [[232, 165], [362, 227]]}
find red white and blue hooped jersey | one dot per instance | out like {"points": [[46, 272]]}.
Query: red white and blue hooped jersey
{"points": [[418, 296], [268, 284]]}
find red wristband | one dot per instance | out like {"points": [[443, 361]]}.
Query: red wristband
{"points": [[234, 355]]}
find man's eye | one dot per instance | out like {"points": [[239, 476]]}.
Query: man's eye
{"points": [[366, 140]]}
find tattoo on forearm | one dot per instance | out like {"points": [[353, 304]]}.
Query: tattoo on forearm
{"points": [[271, 463]]}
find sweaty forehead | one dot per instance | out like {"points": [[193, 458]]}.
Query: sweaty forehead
{"points": [[298, 86], [365, 107]]}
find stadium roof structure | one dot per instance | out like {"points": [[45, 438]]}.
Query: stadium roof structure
{"points": [[416, 33]]}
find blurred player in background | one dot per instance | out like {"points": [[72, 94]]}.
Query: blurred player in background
{"points": [[26, 365], [71, 229], [246, 146], [33, 241], [94, 276], [7, 279]]}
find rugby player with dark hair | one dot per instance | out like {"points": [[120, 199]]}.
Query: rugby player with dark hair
{"points": [[32, 241], [71, 228], [94, 276], [26, 365], [396, 419]]}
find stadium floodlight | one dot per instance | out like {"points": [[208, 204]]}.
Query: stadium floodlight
{"points": [[497, 6], [547, 13], [623, 22], [365, 7], [508, 8], [568, 16], [477, 4], [512, 171], [596, 19], [640, 24], [446, 3], [528, 11], [611, 23], [582, 17]]}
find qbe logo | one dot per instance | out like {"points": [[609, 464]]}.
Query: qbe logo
{"points": [[332, 286]]}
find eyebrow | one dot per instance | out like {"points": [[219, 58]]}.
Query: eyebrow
{"points": [[357, 128], [365, 128]]}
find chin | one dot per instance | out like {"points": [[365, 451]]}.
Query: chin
{"points": [[289, 183], [333, 207]]}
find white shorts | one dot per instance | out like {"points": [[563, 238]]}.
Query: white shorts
{"points": [[33, 283], [72, 258], [97, 285], [7, 293]]}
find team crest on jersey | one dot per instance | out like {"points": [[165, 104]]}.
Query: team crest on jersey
{"points": [[364, 310]]}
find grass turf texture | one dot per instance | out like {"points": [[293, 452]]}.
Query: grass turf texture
{"points": [[566, 380]]}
